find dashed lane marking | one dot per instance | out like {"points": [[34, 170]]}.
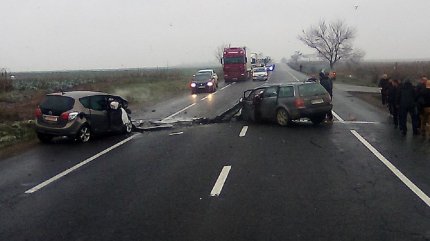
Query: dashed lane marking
{"points": [[77, 166], [226, 86], [243, 131], [216, 190], [394, 169]]}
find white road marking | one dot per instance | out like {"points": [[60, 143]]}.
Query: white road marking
{"points": [[216, 190], [360, 122], [293, 76], [176, 113], [176, 133], [204, 98], [226, 86], [75, 167], [243, 131], [337, 117], [394, 169]]}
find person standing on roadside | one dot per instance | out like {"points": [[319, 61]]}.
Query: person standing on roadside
{"points": [[383, 84], [327, 83], [407, 106], [423, 102], [393, 93]]}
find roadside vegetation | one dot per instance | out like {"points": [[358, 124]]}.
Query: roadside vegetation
{"points": [[367, 73], [141, 87]]}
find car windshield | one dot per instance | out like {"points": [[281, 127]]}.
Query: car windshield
{"points": [[202, 77], [311, 90], [259, 70], [234, 60], [57, 104]]}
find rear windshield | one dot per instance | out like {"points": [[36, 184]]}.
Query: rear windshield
{"points": [[56, 104], [311, 90], [259, 69]]}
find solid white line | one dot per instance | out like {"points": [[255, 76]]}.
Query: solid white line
{"points": [[204, 98], [292, 75], [337, 117], [225, 87], [176, 113], [394, 169], [360, 122], [216, 190], [75, 167], [243, 131]]}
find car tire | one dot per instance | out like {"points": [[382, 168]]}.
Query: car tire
{"points": [[84, 134], [282, 117], [317, 119], [44, 138]]}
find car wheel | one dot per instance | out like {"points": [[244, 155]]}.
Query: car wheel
{"points": [[84, 134], [44, 138], [317, 119], [282, 117]]}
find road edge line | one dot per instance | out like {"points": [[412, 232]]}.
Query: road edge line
{"points": [[393, 169], [77, 166]]}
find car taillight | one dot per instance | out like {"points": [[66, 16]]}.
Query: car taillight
{"points": [[64, 116], [299, 103], [38, 112]]}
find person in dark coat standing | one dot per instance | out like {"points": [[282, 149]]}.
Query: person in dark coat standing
{"points": [[327, 83], [383, 84], [421, 92], [393, 93], [407, 105]]}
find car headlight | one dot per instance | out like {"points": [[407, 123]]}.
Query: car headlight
{"points": [[210, 83], [193, 85]]}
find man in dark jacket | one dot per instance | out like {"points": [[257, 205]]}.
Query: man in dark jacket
{"points": [[393, 93], [383, 84], [423, 103], [327, 83], [407, 105]]}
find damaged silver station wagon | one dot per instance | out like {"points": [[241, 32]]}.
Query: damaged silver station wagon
{"points": [[284, 103]]}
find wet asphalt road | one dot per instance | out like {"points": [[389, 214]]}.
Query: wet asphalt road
{"points": [[304, 182]]}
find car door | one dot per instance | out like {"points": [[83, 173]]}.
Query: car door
{"points": [[99, 113], [269, 102], [250, 102]]}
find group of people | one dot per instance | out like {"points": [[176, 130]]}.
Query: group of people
{"points": [[403, 98]]}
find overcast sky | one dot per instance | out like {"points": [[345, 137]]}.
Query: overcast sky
{"points": [[93, 34]]}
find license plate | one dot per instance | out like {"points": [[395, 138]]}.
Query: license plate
{"points": [[51, 118], [318, 101], [202, 87]]}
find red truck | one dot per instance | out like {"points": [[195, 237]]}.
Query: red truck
{"points": [[235, 64]]}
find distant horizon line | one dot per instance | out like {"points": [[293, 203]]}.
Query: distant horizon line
{"points": [[192, 66]]}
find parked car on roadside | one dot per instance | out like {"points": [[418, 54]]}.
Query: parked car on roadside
{"points": [[80, 114], [260, 73], [203, 82], [286, 102]]}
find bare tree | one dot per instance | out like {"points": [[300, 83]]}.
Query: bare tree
{"points": [[219, 51], [333, 42]]}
